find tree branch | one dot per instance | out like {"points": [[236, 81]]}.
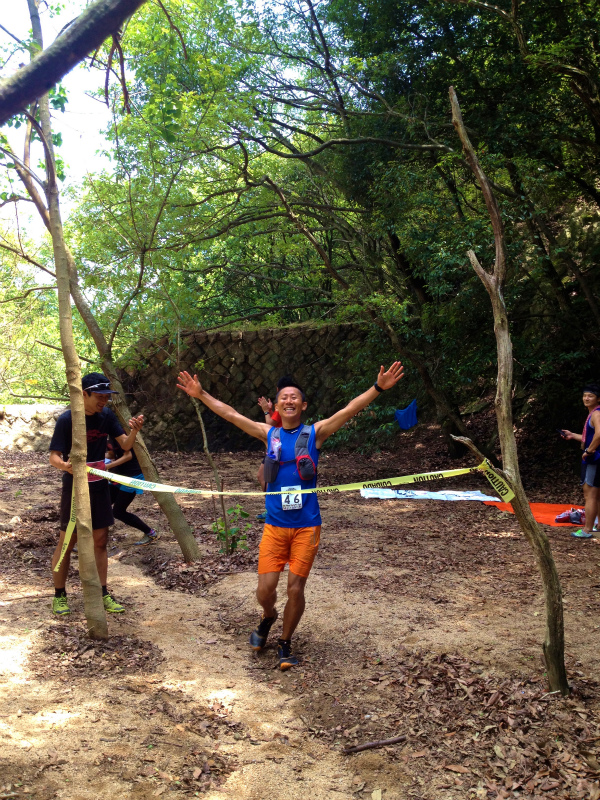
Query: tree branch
{"points": [[28, 292], [54, 347], [359, 140], [89, 30], [12, 35], [27, 258]]}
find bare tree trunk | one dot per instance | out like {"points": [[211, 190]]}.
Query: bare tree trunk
{"points": [[90, 582], [553, 645], [217, 477], [177, 522]]}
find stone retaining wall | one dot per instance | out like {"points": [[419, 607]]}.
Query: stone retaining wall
{"points": [[28, 428], [236, 367]]}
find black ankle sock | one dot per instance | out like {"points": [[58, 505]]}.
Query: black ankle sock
{"points": [[60, 592], [283, 642], [105, 591]]}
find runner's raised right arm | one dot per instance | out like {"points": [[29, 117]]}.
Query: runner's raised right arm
{"points": [[193, 388]]}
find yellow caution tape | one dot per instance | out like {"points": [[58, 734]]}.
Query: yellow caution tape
{"points": [[425, 477], [498, 483], [69, 532]]}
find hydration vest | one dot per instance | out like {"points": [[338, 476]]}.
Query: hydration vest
{"points": [[304, 463]]}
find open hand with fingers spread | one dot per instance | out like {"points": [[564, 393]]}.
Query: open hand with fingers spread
{"points": [[385, 380], [189, 385]]}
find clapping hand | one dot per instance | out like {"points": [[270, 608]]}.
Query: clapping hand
{"points": [[266, 405], [189, 385], [136, 423], [385, 380]]}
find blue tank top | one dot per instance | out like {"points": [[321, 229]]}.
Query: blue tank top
{"points": [[589, 433], [309, 514]]}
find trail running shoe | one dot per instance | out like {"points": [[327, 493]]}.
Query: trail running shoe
{"points": [[258, 638], [262, 516], [581, 534], [111, 605], [149, 538], [60, 605], [286, 659]]}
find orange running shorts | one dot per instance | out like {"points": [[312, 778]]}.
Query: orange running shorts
{"points": [[296, 546]]}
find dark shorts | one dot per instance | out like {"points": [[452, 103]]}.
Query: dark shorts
{"points": [[590, 474], [102, 514]]}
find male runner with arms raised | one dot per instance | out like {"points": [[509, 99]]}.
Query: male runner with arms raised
{"points": [[293, 526]]}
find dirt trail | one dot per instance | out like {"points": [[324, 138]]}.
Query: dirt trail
{"points": [[423, 619], [45, 723]]}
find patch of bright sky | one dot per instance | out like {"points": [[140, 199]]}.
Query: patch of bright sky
{"points": [[85, 117]]}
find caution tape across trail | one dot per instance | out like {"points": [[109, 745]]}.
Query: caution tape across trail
{"points": [[496, 481]]}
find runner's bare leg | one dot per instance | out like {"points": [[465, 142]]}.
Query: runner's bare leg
{"points": [[294, 608], [591, 495], [266, 593]]}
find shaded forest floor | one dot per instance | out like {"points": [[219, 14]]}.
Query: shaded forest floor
{"points": [[423, 619]]}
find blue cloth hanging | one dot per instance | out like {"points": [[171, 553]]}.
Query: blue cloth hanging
{"points": [[407, 417]]}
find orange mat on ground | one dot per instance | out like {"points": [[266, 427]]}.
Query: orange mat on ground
{"points": [[543, 512]]}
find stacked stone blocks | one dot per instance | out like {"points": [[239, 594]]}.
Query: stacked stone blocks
{"points": [[238, 367]]}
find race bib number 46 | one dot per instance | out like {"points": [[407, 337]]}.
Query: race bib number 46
{"points": [[291, 500]]}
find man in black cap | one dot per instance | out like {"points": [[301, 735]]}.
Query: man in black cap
{"points": [[100, 423]]}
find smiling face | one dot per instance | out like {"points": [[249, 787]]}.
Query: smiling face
{"points": [[94, 402], [290, 406], [590, 400]]}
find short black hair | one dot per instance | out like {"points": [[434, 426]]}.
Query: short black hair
{"points": [[594, 388], [287, 381]]}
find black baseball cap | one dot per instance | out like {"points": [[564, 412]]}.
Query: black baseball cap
{"points": [[96, 382]]}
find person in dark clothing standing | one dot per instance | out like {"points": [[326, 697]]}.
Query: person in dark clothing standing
{"points": [[100, 423], [124, 462]]}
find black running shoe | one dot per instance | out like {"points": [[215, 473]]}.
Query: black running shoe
{"points": [[286, 659], [258, 638]]}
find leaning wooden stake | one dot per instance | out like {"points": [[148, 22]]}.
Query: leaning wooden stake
{"points": [[554, 643], [218, 481]]}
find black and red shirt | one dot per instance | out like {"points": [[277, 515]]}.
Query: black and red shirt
{"points": [[99, 427]]}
